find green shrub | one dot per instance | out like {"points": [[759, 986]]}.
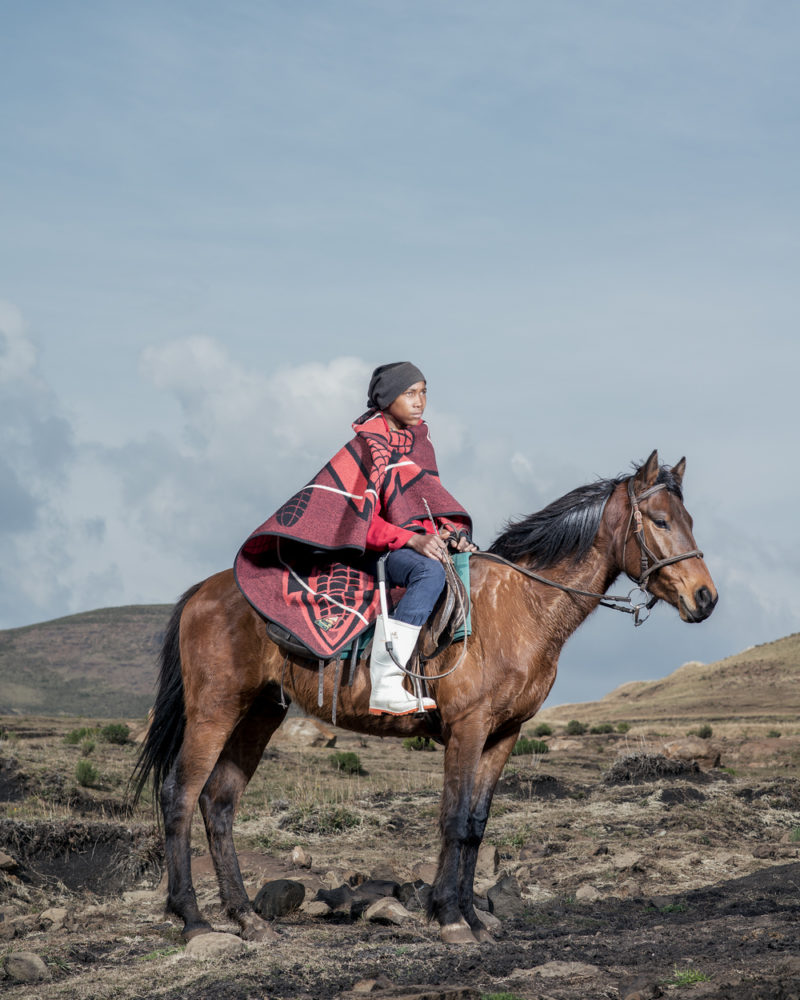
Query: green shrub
{"points": [[705, 732], [87, 746], [602, 727], [86, 773], [419, 743], [575, 728], [115, 732], [74, 738], [525, 746], [774, 734], [347, 761], [623, 727], [794, 836], [543, 730]]}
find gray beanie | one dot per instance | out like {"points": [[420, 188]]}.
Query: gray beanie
{"points": [[388, 381]]}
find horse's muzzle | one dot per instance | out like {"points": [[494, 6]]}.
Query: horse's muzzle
{"points": [[704, 603]]}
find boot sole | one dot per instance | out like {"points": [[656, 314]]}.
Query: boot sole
{"points": [[385, 711]]}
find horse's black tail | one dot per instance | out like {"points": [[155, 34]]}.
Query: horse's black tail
{"points": [[168, 718]]}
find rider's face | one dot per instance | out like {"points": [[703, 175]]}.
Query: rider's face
{"points": [[409, 406]]}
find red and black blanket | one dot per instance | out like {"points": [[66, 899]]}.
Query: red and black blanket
{"points": [[307, 567]]}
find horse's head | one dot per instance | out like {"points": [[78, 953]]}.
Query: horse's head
{"points": [[659, 550]]}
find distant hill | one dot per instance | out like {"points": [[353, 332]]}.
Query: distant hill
{"points": [[761, 683], [99, 664]]}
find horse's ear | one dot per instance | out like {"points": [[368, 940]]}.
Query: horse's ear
{"points": [[648, 473], [678, 471]]}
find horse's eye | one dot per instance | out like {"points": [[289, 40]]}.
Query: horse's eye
{"points": [[659, 522]]}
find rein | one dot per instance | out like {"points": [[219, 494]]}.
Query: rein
{"points": [[617, 602]]}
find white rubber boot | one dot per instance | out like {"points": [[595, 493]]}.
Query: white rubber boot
{"points": [[388, 696]]}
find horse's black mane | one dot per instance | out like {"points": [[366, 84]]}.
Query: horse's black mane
{"points": [[566, 528]]}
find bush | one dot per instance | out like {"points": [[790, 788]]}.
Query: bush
{"points": [[602, 727], [623, 727], [575, 728], [116, 732], [705, 732], [419, 743], [347, 761], [543, 730], [774, 734], [86, 773], [74, 738], [526, 746], [87, 746]]}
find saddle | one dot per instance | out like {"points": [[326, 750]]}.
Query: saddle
{"points": [[448, 618]]}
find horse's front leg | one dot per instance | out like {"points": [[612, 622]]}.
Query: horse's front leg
{"points": [[462, 754], [490, 767], [218, 803]]}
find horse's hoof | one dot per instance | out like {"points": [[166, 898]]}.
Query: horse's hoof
{"points": [[482, 936], [195, 930], [458, 933]]}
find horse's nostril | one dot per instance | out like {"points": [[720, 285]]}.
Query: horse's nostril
{"points": [[703, 598]]}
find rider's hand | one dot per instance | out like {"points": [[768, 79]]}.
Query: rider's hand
{"points": [[431, 546], [458, 544]]}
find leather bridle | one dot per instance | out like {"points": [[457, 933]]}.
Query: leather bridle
{"points": [[649, 564]]}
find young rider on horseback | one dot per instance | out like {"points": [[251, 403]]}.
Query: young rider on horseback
{"points": [[416, 552]]}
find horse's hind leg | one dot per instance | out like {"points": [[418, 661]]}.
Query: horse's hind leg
{"points": [[198, 754], [489, 769], [220, 798]]}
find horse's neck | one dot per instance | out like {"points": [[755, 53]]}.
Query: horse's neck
{"points": [[595, 574]]}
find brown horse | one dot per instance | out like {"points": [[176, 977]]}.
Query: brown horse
{"points": [[219, 696]]}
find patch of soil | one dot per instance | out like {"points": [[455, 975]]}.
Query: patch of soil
{"points": [[542, 786], [640, 767], [13, 784], [100, 857]]}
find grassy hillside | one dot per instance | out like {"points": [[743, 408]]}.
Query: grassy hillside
{"points": [[97, 664], [761, 683]]}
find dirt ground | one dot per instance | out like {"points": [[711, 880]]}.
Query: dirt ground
{"points": [[683, 885]]}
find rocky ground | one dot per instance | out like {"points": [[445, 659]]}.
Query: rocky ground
{"points": [[616, 865]]}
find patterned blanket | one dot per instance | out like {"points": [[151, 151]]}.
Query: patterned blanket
{"points": [[307, 567]]}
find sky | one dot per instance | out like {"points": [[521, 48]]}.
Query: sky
{"points": [[580, 219]]}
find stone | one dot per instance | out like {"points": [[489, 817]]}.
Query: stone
{"points": [[388, 911], [279, 897], [505, 898], [566, 970], [207, 947], [692, 748], [588, 894], [316, 908], [625, 860], [300, 858], [7, 863], [490, 921], [426, 870], [366, 986], [25, 967], [640, 988], [303, 733], [488, 863], [54, 918]]}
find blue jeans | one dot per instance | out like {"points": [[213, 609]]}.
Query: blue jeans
{"points": [[423, 579]]}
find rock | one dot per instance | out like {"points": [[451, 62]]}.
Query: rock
{"points": [[25, 967], [303, 733], [566, 970], [7, 863], [365, 986], [316, 908], [627, 859], [640, 988], [426, 870], [488, 863], [505, 898], [277, 898], [388, 911], [490, 921], [588, 894], [300, 858], [693, 748], [53, 919], [206, 947]]}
